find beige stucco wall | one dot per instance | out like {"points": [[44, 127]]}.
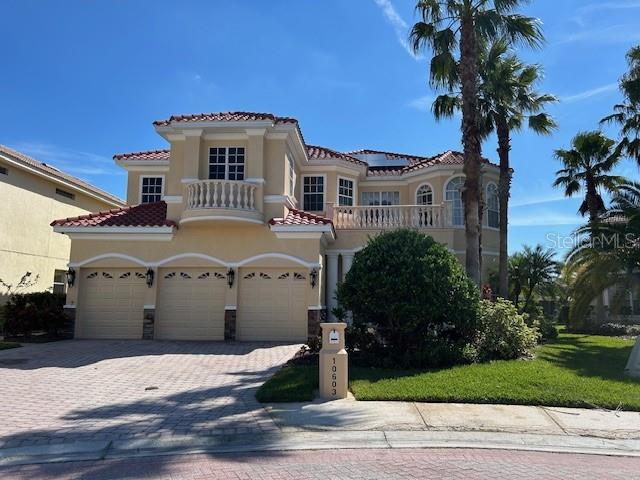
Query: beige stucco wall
{"points": [[27, 241]]}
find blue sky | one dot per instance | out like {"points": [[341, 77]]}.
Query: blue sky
{"points": [[84, 80]]}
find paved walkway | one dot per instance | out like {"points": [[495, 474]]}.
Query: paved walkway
{"points": [[83, 391], [345, 464]]}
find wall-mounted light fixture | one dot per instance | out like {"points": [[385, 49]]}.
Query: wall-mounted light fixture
{"points": [[231, 275], [313, 276], [150, 275], [71, 277]]}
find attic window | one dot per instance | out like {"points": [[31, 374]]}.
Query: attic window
{"points": [[64, 193], [4, 171]]}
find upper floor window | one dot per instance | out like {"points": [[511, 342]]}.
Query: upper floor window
{"points": [[453, 195], [380, 198], [151, 189], [226, 163], [313, 193], [59, 281], [292, 177], [424, 195], [345, 192], [493, 206], [64, 193]]}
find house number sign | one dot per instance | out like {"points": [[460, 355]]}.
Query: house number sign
{"points": [[333, 362]]}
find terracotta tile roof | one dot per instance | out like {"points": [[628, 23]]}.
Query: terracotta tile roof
{"points": [[321, 153], [391, 155], [300, 217], [225, 117], [450, 157], [143, 215], [58, 174], [141, 156]]}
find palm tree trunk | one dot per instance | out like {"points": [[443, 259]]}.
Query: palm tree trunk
{"points": [[472, 146], [504, 187], [592, 204]]}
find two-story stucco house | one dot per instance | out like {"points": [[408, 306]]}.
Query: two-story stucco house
{"points": [[241, 230], [31, 194]]}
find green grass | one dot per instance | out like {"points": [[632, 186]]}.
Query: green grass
{"points": [[290, 384], [8, 345], [573, 371]]}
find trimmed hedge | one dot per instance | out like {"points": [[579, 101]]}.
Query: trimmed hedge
{"points": [[26, 313]]}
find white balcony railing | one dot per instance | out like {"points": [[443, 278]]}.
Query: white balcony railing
{"points": [[389, 217], [231, 194]]}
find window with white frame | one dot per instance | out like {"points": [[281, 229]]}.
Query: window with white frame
{"points": [[493, 206], [59, 285], [380, 198], [151, 189], [453, 195], [226, 163], [345, 192], [313, 193], [292, 177], [424, 195]]}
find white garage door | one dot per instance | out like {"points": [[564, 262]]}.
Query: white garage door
{"points": [[190, 304], [111, 303], [272, 305]]}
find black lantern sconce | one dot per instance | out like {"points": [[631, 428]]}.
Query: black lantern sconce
{"points": [[231, 275], [71, 277], [150, 275], [313, 276]]}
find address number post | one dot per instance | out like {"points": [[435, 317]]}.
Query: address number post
{"points": [[334, 377]]}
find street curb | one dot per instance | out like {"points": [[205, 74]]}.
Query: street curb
{"points": [[279, 441]]}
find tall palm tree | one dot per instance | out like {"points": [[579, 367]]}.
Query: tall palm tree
{"points": [[627, 114], [448, 27], [507, 101], [612, 261], [586, 168]]}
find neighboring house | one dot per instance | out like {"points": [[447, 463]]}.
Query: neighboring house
{"points": [[31, 194], [241, 230]]}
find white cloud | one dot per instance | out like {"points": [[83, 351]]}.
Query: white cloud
{"points": [[400, 27], [541, 219], [422, 103], [594, 92], [611, 34], [75, 162], [538, 200]]}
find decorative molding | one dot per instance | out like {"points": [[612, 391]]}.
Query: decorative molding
{"points": [[225, 136], [201, 256], [148, 307], [172, 198], [316, 307], [230, 307], [142, 237], [221, 217], [256, 132], [120, 256], [109, 230], [260, 181], [176, 137], [195, 132], [189, 180], [281, 256]]}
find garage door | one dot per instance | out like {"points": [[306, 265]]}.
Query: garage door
{"points": [[111, 303], [272, 305], [190, 304]]}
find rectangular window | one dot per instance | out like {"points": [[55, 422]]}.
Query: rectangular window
{"points": [[64, 193], [313, 193], [226, 163], [4, 171], [345, 192], [380, 198], [292, 177], [151, 190], [59, 283]]}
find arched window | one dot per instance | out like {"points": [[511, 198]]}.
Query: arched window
{"points": [[493, 206], [453, 196], [424, 195]]}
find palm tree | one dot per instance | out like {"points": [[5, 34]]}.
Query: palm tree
{"points": [[532, 271], [627, 114], [586, 168], [450, 26], [612, 261], [507, 100]]}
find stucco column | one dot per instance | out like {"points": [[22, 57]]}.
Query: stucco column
{"points": [[347, 261], [332, 283]]}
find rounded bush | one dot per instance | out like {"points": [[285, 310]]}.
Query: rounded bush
{"points": [[503, 332], [415, 294]]}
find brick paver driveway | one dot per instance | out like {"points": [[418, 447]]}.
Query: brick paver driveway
{"points": [[82, 390], [462, 464]]}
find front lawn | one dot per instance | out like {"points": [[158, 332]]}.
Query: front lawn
{"points": [[573, 371], [8, 345]]}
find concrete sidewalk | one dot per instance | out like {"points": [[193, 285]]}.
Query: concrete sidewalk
{"points": [[348, 424]]}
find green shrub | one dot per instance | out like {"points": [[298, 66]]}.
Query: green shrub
{"points": [[503, 332], [26, 313], [414, 296]]}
